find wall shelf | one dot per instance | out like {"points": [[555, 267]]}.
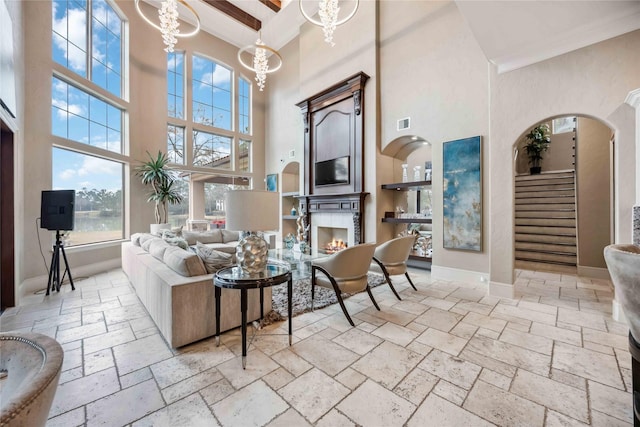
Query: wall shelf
{"points": [[291, 217], [407, 220], [405, 186]]}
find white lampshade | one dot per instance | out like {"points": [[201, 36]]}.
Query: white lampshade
{"points": [[252, 210]]}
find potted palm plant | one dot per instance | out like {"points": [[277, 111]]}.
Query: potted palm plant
{"points": [[156, 173], [538, 143]]}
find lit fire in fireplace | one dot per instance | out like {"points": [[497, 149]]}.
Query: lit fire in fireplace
{"points": [[334, 246]]}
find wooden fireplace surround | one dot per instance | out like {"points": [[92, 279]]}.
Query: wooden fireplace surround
{"points": [[334, 128]]}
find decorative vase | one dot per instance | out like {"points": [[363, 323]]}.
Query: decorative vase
{"points": [[405, 176], [294, 212], [416, 173]]}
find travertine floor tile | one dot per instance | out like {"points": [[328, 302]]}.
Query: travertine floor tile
{"points": [[125, 406], [357, 341], [190, 385], [253, 405], [396, 334], [416, 385], [503, 408], [68, 419], [436, 411], [87, 389], [258, 365], [579, 318], [529, 341], [316, 349], [387, 364], [335, 419], [278, 378], [313, 394], [217, 391], [450, 368], [439, 319], [511, 354], [558, 334], [552, 394], [292, 362], [450, 392], [587, 364], [289, 419], [442, 341], [610, 401], [555, 419], [388, 410], [190, 411], [143, 352]]}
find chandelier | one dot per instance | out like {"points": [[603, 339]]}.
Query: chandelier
{"points": [[168, 17], [260, 63], [328, 11]]}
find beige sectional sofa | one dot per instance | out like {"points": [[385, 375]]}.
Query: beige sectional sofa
{"points": [[176, 290]]}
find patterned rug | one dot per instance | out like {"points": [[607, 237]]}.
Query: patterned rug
{"points": [[302, 298]]}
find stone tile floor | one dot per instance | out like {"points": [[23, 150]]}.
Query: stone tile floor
{"points": [[444, 355]]}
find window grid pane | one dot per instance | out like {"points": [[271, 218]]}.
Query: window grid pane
{"points": [[211, 150], [106, 47], [69, 41], [175, 84], [179, 213], [99, 201], [211, 90], [81, 117], [244, 106], [175, 144], [244, 156]]}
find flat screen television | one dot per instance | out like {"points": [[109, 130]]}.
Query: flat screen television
{"points": [[330, 172]]}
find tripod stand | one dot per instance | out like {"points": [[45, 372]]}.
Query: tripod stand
{"points": [[54, 270]]}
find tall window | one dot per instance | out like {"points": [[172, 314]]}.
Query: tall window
{"points": [[175, 84], [244, 155], [175, 144], [210, 150], [87, 41], [70, 43], [244, 106], [211, 90], [179, 213]]}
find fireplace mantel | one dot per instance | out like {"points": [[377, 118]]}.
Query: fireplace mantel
{"points": [[347, 203]]}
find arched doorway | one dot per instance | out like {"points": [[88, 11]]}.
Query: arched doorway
{"points": [[564, 215]]}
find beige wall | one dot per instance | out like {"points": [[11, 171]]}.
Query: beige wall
{"points": [[592, 81], [147, 128], [432, 70], [593, 196]]}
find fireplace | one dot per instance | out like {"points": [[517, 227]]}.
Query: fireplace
{"points": [[332, 239]]}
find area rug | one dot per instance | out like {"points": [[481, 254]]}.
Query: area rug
{"points": [[302, 298]]}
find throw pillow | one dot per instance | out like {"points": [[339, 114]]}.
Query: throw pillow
{"points": [[176, 241], [213, 260], [230, 236]]}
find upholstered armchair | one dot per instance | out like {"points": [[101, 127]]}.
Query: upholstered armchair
{"points": [[390, 259], [344, 272], [623, 262]]}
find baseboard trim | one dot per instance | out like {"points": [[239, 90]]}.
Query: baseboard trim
{"points": [[502, 290], [456, 274], [37, 283], [594, 272]]}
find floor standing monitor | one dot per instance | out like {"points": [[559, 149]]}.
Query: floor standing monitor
{"points": [[57, 209]]}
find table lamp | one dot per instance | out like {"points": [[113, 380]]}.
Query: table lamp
{"points": [[252, 211]]}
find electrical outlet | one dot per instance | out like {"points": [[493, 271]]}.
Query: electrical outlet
{"points": [[292, 154]]}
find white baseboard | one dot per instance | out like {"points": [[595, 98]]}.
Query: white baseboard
{"points": [[458, 275], [37, 283], [594, 272]]}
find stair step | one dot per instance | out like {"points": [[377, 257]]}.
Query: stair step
{"points": [[549, 200], [562, 214], [550, 247], [545, 182], [547, 257], [552, 231], [540, 266], [551, 222], [545, 238], [562, 192], [543, 176], [545, 207]]}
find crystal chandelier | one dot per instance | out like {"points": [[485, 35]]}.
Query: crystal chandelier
{"points": [[328, 11], [169, 24], [260, 63]]}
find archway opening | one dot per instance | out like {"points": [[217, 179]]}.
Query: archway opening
{"points": [[564, 214]]}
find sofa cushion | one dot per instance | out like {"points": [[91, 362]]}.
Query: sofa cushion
{"points": [[213, 260], [229, 236], [211, 236], [185, 263], [174, 240], [146, 239], [157, 248], [227, 248], [135, 238]]}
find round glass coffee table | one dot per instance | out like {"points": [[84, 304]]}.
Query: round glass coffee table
{"points": [[236, 278]]}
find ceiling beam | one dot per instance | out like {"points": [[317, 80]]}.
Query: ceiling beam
{"points": [[236, 13], [274, 5]]}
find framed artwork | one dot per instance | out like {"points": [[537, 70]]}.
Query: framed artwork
{"points": [[272, 182], [462, 194]]}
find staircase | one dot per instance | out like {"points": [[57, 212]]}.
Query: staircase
{"points": [[546, 222]]}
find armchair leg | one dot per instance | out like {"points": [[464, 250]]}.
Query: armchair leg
{"points": [[344, 309], [373, 299], [313, 287], [386, 276], [406, 273]]}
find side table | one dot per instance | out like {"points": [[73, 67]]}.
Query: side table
{"points": [[236, 278]]}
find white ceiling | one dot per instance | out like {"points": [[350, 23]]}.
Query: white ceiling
{"points": [[512, 34]]}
